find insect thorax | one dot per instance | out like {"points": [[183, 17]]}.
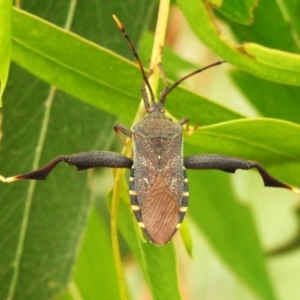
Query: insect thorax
{"points": [[157, 125]]}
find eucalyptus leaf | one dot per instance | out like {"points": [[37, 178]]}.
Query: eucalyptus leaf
{"points": [[157, 263], [239, 11], [5, 43], [43, 223], [275, 58], [231, 229], [270, 99], [89, 72], [207, 31], [247, 139]]}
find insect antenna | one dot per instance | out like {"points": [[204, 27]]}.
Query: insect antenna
{"points": [[145, 78], [166, 91]]}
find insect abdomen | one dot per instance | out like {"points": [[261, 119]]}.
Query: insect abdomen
{"points": [[134, 199], [159, 214]]}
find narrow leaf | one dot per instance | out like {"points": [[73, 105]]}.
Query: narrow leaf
{"points": [[230, 228], [267, 96], [158, 263], [273, 143], [200, 18], [89, 72], [239, 11], [5, 42], [274, 58]]}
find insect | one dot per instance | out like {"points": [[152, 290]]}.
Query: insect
{"points": [[158, 181]]}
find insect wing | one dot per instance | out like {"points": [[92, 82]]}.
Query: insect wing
{"points": [[159, 179]]}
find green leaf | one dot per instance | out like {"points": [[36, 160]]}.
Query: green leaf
{"points": [[85, 74], [207, 31], [290, 12], [41, 234], [229, 225], [247, 139], [267, 97], [173, 65], [276, 36], [230, 228], [216, 3], [59, 210], [5, 43], [89, 72], [272, 142], [152, 259], [271, 99], [187, 238], [42, 222], [274, 58], [95, 275], [239, 11]]}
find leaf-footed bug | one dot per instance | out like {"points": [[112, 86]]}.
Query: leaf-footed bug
{"points": [[158, 181]]}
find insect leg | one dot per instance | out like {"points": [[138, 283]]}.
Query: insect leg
{"points": [[82, 161], [183, 121], [231, 164], [94, 159], [119, 128], [188, 130]]}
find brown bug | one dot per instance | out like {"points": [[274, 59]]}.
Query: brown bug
{"points": [[158, 181]]}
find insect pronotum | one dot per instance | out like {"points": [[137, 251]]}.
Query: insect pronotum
{"points": [[158, 181]]}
